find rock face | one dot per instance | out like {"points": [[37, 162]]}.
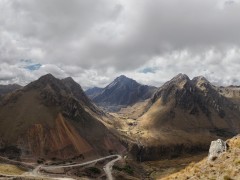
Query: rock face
{"points": [[54, 118], [216, 148], [122, 92]]}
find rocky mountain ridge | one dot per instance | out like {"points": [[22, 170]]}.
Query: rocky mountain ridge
{"points": [[184, 116], [194, 96], [122, 92]]}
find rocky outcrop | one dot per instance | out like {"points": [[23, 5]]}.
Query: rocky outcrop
{"points": [[216, 149]]}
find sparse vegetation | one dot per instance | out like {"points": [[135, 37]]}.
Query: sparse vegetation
{"points": [[94, 170], [237, 162], [128, 169], [40, 160], [10, 169], [227, 178], [54, 159]]}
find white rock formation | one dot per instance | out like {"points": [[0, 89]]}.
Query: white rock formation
{"points": [[216, 148]]}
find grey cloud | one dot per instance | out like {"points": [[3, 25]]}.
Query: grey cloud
{"points": [[58, 20], [165, 26]]}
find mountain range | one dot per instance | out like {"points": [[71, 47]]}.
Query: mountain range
{"points": [[55, 118]]}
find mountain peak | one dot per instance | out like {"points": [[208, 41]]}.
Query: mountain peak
{"points": [[123, 78], [178, 80], [181, 77], [202, 83], [68, 79], [122, 91], [47, 80], [47, 77], [200, 79]]}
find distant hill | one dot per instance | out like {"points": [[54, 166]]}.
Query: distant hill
{"points": [[122, 92], [4, 89], [53, 118]]}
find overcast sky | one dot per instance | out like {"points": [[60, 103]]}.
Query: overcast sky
{"points": [[96, 40]]}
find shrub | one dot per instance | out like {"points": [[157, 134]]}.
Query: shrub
{"points": [[226, 177], [128, 169], [39, 161], [94, 170]]}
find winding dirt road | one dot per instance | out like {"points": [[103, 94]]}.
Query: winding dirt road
{"points": [[82, 164], [108, 167], [36, 172]]}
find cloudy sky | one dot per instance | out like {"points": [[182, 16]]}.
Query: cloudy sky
{"points": [[95, 41]]}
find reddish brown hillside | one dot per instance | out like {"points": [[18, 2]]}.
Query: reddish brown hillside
{"points": [[48, 119]]}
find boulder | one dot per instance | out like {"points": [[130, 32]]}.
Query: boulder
{"points": [[216, 149]]}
